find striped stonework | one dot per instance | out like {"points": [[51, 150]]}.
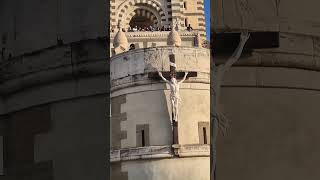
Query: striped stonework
{"points": [[146, 13], [157, 13], [189, 12], [177, 12], [201, 18], [113, 22], [117, 116], [160, 12], [123, 10]]}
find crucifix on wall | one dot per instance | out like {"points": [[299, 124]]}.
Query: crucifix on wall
{"points": [[174, 95]]}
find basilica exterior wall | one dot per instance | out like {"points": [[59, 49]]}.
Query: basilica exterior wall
{"points": [[47, 101], [68, 21], [141, 103], [164, 12], [170, 169], [271, 94]]}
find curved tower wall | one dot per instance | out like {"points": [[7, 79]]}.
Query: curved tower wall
{"points": [[52, 89], [141, 102], [271, 96], [53, 107]]}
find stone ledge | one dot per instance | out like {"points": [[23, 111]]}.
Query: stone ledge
{"points": [[193, 150], [276, 59], [58, 74], [272, 77], [77, 60], [155, 34], [156, 152], [141, 61], [147, 83], [200, 85], [143, 79], [150, 152]]}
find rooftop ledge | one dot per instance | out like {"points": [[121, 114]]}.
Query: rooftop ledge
{"points": [[154, 34], [165, 49], [156, 152]]}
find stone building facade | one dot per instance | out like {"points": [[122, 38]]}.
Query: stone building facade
{"points": [[141, 132], [53, 90], [158, 13], [272, 95], [144, 143]]}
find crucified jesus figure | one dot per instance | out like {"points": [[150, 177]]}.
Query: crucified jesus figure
{"points": [[220, 71], [223, 68], [174, 93]]}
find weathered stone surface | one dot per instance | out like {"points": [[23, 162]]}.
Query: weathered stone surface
{"points": [[143, 61], [193, 150], [147, 107], [265, 15], [140, 153], [271, 93]]}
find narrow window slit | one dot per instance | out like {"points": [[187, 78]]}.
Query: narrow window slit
{"points": [[143, 139], [205, 136]]}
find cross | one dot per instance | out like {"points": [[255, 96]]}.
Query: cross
{"points": [[173, 74], [174, 95], [217, 114], [169, 77], [173, 66]]}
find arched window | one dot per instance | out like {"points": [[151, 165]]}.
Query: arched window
{"points": [[140, 21], [143, 19]]}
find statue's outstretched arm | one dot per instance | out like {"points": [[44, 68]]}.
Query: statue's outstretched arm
{"points": [[184, 77], [160, 74], [237, 53], [221, 69]]}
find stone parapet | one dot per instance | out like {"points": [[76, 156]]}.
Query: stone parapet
{"points": [[83, 59], [155, 34], [133, 66], [193, 150], [156, 152]]}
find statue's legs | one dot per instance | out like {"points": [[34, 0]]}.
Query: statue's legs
{"points": [[173, 108], [176, 109]]}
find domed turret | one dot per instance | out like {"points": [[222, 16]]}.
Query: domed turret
{"points": [[120, 40], [174, 38]]}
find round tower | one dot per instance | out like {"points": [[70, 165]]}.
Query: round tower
{"points": [[145, 143], [160, 91], [271, 96]]}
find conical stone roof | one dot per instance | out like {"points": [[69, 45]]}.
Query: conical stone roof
{"points": [[174, 38], [120, 40]]}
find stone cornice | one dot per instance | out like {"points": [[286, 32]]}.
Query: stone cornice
{"points": [[277, 59], [191, 150], [149, 60], [150, 152], [145, 86], [54, 64], [156, 152], [157, 34]]}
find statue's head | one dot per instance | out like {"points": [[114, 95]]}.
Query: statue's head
{"points": [[174, 80]]}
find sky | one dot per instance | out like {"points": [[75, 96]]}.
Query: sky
{"points": [[207, 16]]}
